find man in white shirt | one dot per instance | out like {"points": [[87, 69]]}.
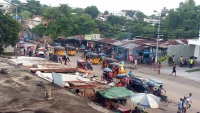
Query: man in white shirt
{"points": [[135, 64], [188, 100]]}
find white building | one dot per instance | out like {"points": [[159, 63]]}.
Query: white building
{"points": [[5, 7], [118, 13], [151, 21], [197, 47]]}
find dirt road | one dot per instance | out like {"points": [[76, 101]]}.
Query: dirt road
{"points": [[175, 89]]}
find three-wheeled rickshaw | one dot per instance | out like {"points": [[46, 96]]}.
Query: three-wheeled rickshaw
{"points": [[70, 50], [81, 64], [117, 68], [107, 75], [123, 79], [94, 58], [107, 61], [58, 50]]}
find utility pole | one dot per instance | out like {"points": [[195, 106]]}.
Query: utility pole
{"points": [[16, 13], [157, 41]]}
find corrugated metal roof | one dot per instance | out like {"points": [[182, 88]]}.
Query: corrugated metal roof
{"points": [[130, 45], [79, 37], [107, 41], [118, 43], [141, 47]]}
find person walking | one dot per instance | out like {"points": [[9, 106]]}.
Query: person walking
{"points": [[135, 63], [153, 61], [159, 67], [173, 60], [180, 105], [76, 49], [60, 59], [24, 51], [174, 70], [64, 57], [67, 61]]}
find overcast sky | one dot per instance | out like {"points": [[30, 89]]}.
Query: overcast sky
{"points": [[146, 6]]}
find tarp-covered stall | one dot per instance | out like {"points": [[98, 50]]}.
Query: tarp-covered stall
{"points": [[115, 92]]}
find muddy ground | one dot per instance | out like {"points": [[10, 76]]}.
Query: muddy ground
{"points": [[19, 93]]}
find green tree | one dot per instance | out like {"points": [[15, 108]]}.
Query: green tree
{"points": [[34, 7], [130, 13], [78, 11], [9, 30], [25, 14], [123, 35], [164, 11], [51, 13], [116, 20], [106, 12], [18, 3], [92, 11], [140, 16]]}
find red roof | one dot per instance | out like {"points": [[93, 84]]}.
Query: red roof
{"points": [[184, 41], [173, 42]]}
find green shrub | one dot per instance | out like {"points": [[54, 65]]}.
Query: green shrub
{"points": [[144, 112], [163, 58], [6, 53]]}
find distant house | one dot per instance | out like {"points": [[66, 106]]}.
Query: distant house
{"points": [[118, 13], [33, 22], [151, 21], [196, 44], [5, 7]]}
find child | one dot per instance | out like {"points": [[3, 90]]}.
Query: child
{"points": [[159, 67], [60, 59], [67, 61]]}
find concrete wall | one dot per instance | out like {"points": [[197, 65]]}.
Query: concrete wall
{"points": [[197, 52], [180, 50], [165, 63], [57, 79], [37, 38]]}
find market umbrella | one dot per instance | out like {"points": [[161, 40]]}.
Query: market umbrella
{"points": [[21, 42], [107, 69], [145, 100]]}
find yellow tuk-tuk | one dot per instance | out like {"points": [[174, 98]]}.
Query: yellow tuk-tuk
{"points": [[94, 58], [58, 50], [119, 68], [107, 61], [70, 50]]}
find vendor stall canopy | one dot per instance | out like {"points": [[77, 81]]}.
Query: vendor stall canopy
{"points": [[115, 92]]}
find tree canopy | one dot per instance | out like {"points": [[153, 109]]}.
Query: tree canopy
{"points": [[182, 22], [9, 30], [92, 11]]}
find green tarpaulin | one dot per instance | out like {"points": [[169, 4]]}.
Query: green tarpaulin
{"points": [[115, 92]]}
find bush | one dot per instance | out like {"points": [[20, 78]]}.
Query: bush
{"points": [[163, 58], [6, 53]]}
